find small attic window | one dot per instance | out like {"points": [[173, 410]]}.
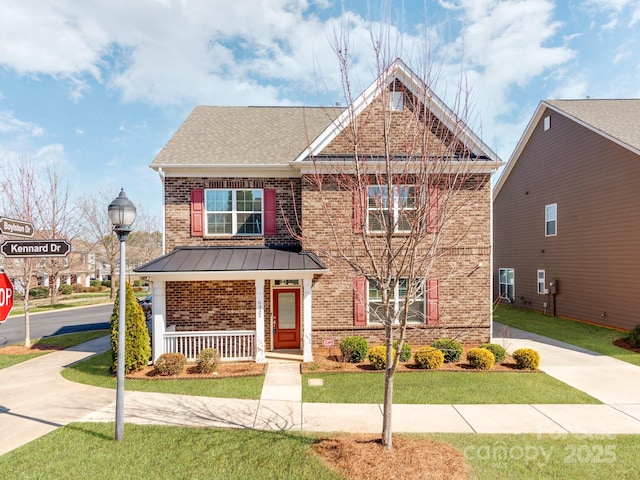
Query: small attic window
{"points": [[396, 101], [547, 123]]}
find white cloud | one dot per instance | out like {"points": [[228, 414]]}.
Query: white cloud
{"points": [[16, 127]]}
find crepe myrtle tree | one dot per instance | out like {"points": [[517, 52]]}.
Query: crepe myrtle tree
{"points": [[405, 195]]}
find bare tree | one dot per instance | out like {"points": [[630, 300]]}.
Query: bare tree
{"points": [[407, 163]]}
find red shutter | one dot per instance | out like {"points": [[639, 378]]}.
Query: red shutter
{"points": [[197, 212], [433, 301], [433, 215], [359, 301], [269, 212], [359, 210]]}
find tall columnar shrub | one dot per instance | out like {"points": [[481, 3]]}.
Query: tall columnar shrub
{"points": [[526, 359], [354, 349], [634, 337], [137, 349], [498, 351], [451, 349]]}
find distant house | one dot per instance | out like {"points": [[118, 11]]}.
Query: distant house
{"points": [[236, 275], [567, 213]]}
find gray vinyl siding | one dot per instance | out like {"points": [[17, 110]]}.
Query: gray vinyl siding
{"points": [[596, 253]]}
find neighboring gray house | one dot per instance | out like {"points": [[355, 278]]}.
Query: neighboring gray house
{"points": [[567, 213]]}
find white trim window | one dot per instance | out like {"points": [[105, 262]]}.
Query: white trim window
{"points": [[396, 101], [401, 204], [416, 303], [233, 212], [507, 284], [542, 289], [551, 220]]}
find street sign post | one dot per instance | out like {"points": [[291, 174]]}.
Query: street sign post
{"points": [[18, 228], [6, 296], [35, 248]]}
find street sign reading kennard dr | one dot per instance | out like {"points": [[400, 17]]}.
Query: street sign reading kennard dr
{"points": [[9, 226], [35, 248]]}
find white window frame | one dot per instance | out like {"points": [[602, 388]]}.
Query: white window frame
{"points": [[542, 289], [396, 101], [551, 219], [506, 279], [382, 202], [398, 299], [234, 212]]}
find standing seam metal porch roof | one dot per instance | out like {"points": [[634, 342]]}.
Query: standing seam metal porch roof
{"points": [[231, 259]]}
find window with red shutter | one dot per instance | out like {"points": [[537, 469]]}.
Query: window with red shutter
{"points": [[433, 301], [270, 212]]}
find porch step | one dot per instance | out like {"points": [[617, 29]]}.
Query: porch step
{"points": [[284, 355], [282, 382]]}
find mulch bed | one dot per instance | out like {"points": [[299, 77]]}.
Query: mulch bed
{"points": [[225, 370]]}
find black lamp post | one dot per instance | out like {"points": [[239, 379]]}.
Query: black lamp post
{"points": [[122, 214]]}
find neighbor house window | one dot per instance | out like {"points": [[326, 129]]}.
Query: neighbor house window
{"points": [[541, 282], [233, 212], [397, 208], [507, 284], [416, 312], [551, 220]]}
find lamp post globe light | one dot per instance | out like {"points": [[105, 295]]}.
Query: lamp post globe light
{"points": [[122, 214]]}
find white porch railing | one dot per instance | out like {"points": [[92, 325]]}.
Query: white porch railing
{"points": [[232, 345]]}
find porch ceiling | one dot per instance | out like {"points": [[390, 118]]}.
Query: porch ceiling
{"points": [[233, 259]]}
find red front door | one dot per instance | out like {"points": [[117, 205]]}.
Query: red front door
{"points": [[286, 318]]}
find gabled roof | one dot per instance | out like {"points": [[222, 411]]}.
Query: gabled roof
{"points": [[615, 119], [398, 70]]}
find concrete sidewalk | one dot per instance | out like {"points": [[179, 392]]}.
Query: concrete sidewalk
{"points": [[35, 399]]}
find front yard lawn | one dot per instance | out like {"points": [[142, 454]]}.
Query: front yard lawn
{"points": [[443, 388]]}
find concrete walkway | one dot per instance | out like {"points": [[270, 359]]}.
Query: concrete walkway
{"points": [[35, 399]]}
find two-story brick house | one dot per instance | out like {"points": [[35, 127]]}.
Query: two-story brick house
{"points": [[247, 229]]}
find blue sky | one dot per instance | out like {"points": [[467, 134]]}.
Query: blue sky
{"points": [[99, 86]]}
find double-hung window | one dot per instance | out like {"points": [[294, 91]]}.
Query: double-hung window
{"points": [[551, 220], [395, 211], [507, 284], [416, 308], [233, 212]]}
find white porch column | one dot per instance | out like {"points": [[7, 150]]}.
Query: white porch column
{"points": [[307, 352], [45, 280], [260, 344], [158, 324]]}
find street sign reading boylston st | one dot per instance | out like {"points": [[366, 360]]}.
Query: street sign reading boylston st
{"points": [[35, 248], [18, 228]]}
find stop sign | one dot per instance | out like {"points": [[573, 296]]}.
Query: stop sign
{"points": [[6, 296]]}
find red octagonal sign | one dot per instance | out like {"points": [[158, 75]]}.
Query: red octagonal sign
{"points": [[6, 296]]}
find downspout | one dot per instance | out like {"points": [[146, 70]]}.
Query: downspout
{"points": [[161, 175]]}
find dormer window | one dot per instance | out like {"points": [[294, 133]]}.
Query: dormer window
{"points": [[396, 101]]}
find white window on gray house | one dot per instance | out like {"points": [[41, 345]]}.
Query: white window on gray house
{"points": [[416, 301], [551, 220], [547, 123], [541, 282], [233, 212], [396, 101], [507, 284]]}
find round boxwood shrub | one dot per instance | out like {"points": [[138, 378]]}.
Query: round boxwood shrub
{"points": [[429, 357], [451, 349], [526, 359], [634, 337], [378, 357], [481, 358], [405, 353], [354, 349], [497, 350], [65, 289], [170, 364], [208, 360]]}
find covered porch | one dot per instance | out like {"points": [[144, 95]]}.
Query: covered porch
{"points": [[243, 301]]}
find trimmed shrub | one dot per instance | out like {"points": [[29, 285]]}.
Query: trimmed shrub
{"points": [[526, 359], [497, 350], [634, 337], [208, 360], [95, 283], [106, 283], [170, 364], [405, 353], [481, 358], [451, 349], [66, 289], [39, 292], [429, 357], [137, 349], [378, 357], [354, 349], [77, 288]]}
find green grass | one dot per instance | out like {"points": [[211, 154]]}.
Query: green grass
{"points": [[95, 371], [592, 337], [88, 450], [64, 341], [443, 388]]}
